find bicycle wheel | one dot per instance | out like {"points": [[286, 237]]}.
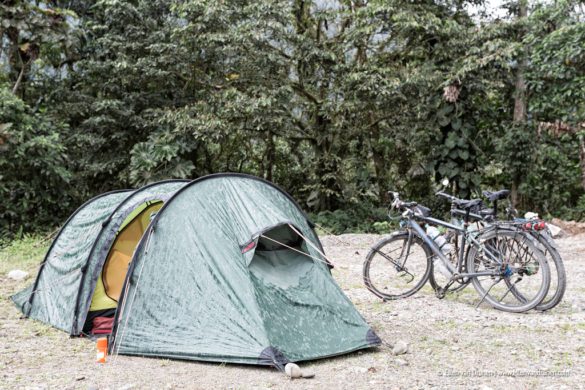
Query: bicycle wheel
{"points": [[558, 278], [519, 273], [393, 269]]}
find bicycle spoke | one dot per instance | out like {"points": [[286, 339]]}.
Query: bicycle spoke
{"points": [[387, 276]]}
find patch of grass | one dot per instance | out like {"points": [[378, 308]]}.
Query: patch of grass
{"points": [[40, 329], [381, 307], [448, 324], [566, 327], [468, 326], [571, 327], [427, 289], [565, 361], [24, 253]]}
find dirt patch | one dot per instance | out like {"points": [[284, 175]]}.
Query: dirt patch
{"points": [[450, 343], [569, 227]]}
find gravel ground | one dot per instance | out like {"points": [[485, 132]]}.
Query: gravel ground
{"points": [[451, 344]]}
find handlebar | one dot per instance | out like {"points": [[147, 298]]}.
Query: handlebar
{"points": [[399, 204]]}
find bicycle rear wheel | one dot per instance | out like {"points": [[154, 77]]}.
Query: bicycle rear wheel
{"points": [[558, 278], [394, 269], [520, 275]]}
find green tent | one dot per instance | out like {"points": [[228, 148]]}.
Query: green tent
{"points": [[229, 269]]}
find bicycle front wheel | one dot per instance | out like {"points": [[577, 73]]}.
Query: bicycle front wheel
{"points": [[518, 275], [397, 267]]}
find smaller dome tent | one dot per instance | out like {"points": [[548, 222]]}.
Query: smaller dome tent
{"points": [[64, 287], [230, 270]]}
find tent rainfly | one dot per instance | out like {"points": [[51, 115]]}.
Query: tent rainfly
{"points": [[224, 268]]}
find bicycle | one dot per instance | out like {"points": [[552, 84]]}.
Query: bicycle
{"points": [[535, 230], [399, 266]]}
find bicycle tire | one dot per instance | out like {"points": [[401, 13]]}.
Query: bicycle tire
{"points": [[492, 240], [555, 293], [380, 289]]}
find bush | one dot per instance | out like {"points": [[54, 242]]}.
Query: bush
{"points": [[363, 218], [33, 173]]}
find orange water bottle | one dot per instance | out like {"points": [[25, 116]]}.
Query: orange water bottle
{"points": [[102, 349]]}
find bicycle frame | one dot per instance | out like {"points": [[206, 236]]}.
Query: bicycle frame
{"points": [[466, 239]]}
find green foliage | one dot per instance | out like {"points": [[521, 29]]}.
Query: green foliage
{"points": [[552, 182], [363, 218], [33, 169], [337, 102], [557, 76]]}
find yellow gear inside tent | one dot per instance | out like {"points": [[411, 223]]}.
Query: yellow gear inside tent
{"points": [[109, 285]]}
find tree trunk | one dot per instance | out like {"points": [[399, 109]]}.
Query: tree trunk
{"points": [[269, 155], [582, 158], [19, 79], [379, 164], [520, 98]]}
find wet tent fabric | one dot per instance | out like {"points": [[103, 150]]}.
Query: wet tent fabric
{"points": [[193, 294], [156, 191], [57, 284], [62, 292]]}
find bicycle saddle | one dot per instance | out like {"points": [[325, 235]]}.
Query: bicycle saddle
{"points": [[493, 196], [467, 204]]}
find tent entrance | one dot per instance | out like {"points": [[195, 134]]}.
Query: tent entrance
{"points": [[280, 258], [109, 285], [111, 279], [122, 250]]}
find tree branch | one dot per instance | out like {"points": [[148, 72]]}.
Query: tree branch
{"points": [[19, 79], [299, 88]]}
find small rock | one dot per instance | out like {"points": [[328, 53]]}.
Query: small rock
{"points": [[17, 274], [127, 387], [400, 348], [372, 369], [292, 370], [555, 231], [401, 362]]}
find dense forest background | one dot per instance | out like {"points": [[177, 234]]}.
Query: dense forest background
{"points": [[335, 101]]}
